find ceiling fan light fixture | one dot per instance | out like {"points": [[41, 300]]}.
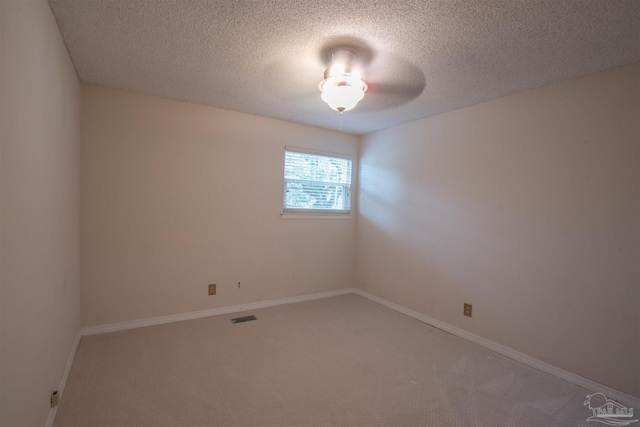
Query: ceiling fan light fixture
{"points": [[342, 87], [342, 94]]}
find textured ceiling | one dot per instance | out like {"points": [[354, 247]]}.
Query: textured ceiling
{"points": [[419, 57]]}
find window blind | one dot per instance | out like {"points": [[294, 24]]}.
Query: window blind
{"points": [[315, 183]]}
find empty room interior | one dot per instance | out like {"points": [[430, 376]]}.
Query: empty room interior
{"points": [[292, 213]]}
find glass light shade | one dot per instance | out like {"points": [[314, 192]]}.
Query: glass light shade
{"points": [[336, 70], [342, 93]]}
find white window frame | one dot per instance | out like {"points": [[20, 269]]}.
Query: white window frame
{"points": [[317, 213]]}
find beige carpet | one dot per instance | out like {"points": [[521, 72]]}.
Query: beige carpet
{"points": [[341, 361]]}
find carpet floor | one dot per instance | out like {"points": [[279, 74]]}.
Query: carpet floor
{"points": [[340, 361]]}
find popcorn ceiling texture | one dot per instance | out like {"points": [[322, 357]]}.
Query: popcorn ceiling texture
{"points": [[420, 58]]}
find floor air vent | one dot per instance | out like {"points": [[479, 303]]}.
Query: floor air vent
{"points": [[244, 319]]}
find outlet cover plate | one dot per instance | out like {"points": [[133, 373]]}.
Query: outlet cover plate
{"points": [[467, 309], [212, 289], [55, 398]]}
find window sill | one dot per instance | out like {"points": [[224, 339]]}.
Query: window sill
{"points": [[315, 216]]}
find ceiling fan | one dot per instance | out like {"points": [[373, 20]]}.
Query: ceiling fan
{"points": [[356, 78]]}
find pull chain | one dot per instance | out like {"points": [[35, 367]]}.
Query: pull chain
{"points": [[340, 110]]}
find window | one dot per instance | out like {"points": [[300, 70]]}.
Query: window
{"points": [[316, 182]]}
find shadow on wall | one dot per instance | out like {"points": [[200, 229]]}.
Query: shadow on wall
{"points": [[420, 249], [430, 244]]}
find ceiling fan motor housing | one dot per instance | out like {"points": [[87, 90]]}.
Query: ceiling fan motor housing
{"points": [[342, 87]]}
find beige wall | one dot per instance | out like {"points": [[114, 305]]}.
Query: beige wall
{"points": [[176, 196], [528, 208], [40, 153]]}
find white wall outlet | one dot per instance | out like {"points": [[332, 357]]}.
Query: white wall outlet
{"points": [[238, 285]]}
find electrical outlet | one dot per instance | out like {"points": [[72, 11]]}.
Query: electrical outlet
{"points": [[212, 289], [238, 285], [55, 398], [467, 309]]}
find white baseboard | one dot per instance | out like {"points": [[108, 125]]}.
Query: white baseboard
{"points": [[114, 327], [63, 381], [590, 385]]}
